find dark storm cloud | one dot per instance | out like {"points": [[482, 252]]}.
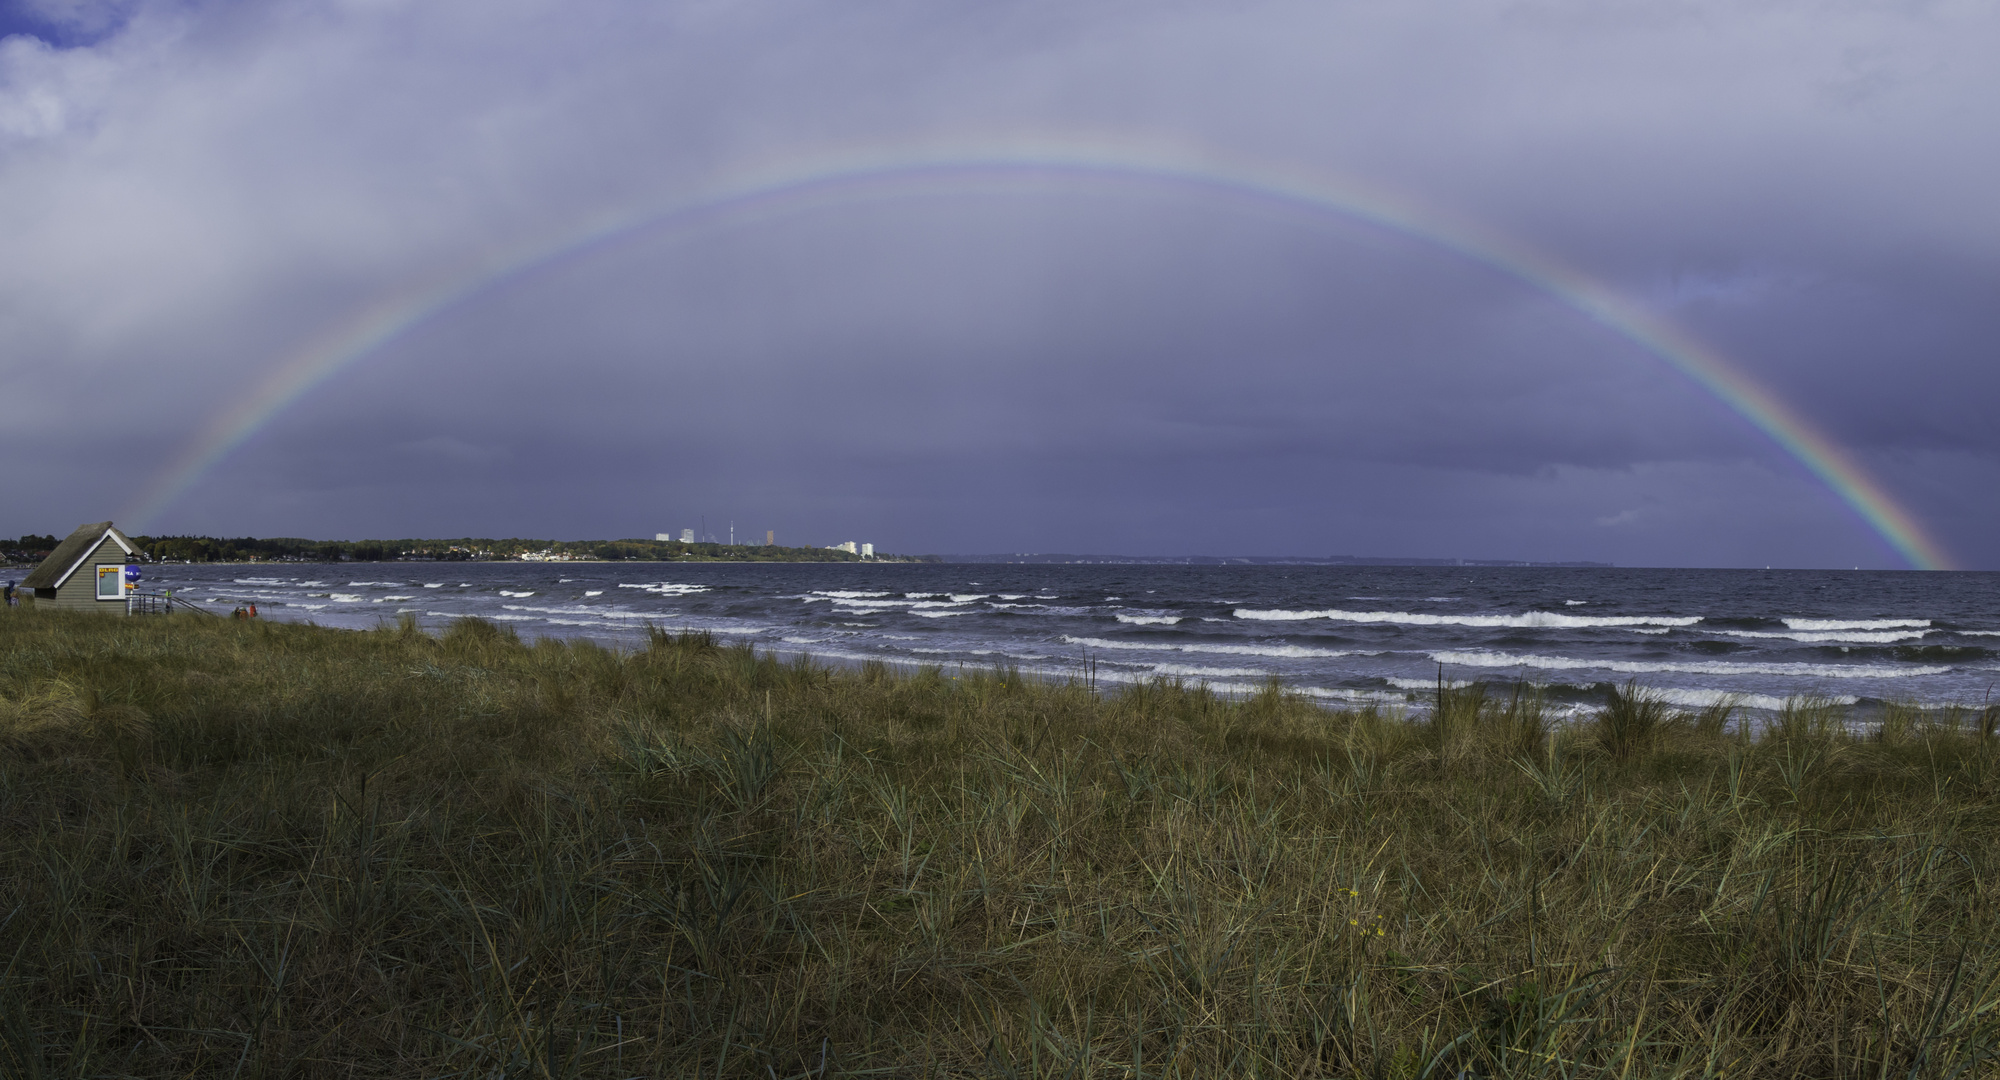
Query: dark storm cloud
{"points": [[199, 191]]}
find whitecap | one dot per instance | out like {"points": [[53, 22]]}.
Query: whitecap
{"points": [[1856, 624], [1363, 697], [1149, 620], [1575, 603], [510, 592], [1698, 667], [434, 585], [1547, 620], [1193, 672], [1850, 637], [666, 588], [593, 592], [1697, 698], [1287, 652], [346, 597]]}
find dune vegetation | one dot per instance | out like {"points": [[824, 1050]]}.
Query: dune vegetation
{"points": [[244, 849]]}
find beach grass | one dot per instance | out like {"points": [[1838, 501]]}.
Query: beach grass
{"points": [[247, 849]]}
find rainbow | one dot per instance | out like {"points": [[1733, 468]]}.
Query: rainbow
{"points": [[847, 177]]}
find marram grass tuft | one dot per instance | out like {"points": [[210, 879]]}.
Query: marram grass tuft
{"points": [[252, 850]]}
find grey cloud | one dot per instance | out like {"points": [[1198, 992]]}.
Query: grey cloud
{"points": [[209, 189]]}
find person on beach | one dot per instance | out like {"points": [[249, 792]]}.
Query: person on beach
{"points": [[10, 592]]}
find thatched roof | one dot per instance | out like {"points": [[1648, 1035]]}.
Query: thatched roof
{"points": [[71, 553]]}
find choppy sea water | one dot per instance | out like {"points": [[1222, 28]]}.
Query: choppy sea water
{"points": [[1356, 634]]}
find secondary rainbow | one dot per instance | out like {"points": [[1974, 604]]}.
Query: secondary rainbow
{"points": [[850, 176]]}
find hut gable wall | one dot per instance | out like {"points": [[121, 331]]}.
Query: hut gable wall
{"points": [[67, 580]]}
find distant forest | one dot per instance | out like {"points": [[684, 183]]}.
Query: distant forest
{"points": [[201, 549]]}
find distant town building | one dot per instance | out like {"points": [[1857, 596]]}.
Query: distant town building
{"points": [[687, 536], [868, 551], [664, 538], [770, 538], [848, 547]]}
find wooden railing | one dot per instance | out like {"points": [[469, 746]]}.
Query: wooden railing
{"points": [[143, 603]]}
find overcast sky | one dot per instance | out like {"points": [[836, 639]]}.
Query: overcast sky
{"points": [[193, 194]]}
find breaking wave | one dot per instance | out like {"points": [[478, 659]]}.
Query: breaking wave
{"points": [[1691, 667], [1526, 620]]}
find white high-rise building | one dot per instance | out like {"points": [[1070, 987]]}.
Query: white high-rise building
{"points": [[868, 551], [687, 536], [663, 537]]}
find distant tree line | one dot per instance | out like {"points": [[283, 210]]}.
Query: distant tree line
{"points": [[202, 549]]}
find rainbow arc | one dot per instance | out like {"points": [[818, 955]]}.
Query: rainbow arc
{"points": [[846, 177]]}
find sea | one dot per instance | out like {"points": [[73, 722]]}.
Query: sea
{"points": [[1355, 635]]}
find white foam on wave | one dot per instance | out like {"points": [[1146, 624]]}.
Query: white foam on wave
{"points": [[1695, 667], [848, 594], [966, 598], [1189, 671], [666, 588], [1149, 620], [259, 581], [312, 584], [1980, 633], [345, 597], [1546, 620], [1575, 603], [1428, 684], [938, 614], [852, 606], [377, 584], [434, 585], [511, 592], [592, 612], [593, 592], [1846, 637], [1701, 699], [309, 607], [1651, 629], [1352, 697], [1283, 652], [399, 598], [1856, 624]]}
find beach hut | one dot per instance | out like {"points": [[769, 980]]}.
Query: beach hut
{"points": [[86, 572]]}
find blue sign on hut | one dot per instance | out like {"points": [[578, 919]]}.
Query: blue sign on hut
{"points": [[86, 572]]}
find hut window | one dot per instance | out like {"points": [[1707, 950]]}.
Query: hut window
{"points": [[111, 582]]}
